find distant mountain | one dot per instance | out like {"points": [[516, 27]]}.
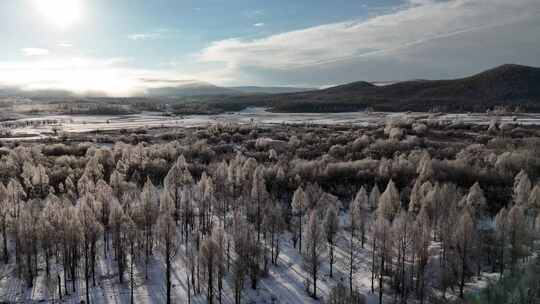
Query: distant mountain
{"points": [[507, 85], [269, 90], [10, 91], [190, 88], [200, 88], [511, 85]]}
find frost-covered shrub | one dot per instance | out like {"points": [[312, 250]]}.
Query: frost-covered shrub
{"points": [[337, 151], [419, 128]]}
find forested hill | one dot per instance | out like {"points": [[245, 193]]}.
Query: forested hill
{"points": [[508, 85]]}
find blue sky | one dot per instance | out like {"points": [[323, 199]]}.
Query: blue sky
{"points": [[117, 46]]}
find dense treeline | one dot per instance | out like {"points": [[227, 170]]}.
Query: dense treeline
{"points": [[426, 207]]}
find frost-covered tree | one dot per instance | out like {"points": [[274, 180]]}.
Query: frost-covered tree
{"points": [[464, 246], [331, 229], [315, 247], [4, 221], [380, 252], [374, 196], [425, 168], [104, 198], [259, 195], [476, 201], [363, 208], [178, 176], [402, 235], [534, 204], [355, 222], [15, 196], [418, 195], [168, 241], [208, 254], [517, 235], [117, 181], [389, 202], [218, 236], [119, 229], [522, 188], [48, 225], [421, 253], [28, 236], [274, 224], [501, 230], [299, 204], [146, 216], [90, 232]]}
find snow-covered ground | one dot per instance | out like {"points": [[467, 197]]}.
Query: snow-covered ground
{"points": [[88, 123]]}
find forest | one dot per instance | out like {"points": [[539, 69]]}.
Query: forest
{"points": [[408, 211]]}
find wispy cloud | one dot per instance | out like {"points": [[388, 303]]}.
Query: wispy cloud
{"points": [[421, 25], [35, 52], [154, 35], [260, 24]]}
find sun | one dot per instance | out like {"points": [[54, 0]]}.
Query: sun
{"points": [[60, 13]]}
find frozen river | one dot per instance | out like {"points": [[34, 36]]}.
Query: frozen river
{"points": [[32, 127]]}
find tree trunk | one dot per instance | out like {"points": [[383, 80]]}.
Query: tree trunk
{"points": [[168, 271], [59, 287], [6, 254], [300, 235], [331, 257], [462, 280], [373, 246], [381, 280], [86, 273]]}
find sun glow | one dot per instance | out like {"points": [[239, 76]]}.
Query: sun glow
{"points": [[60, 13]]}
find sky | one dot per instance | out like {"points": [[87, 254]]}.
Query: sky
{"points": [[123, 47]]}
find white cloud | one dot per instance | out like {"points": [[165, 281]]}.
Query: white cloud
{"points": [[260, 24], [34, 52], [389, 38], [65, 45], [154, 35]]}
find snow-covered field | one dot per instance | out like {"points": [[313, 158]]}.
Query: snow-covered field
{"points": [[32, 129]]}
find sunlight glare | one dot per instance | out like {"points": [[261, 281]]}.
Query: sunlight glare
{"points": [[60, 13]]}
